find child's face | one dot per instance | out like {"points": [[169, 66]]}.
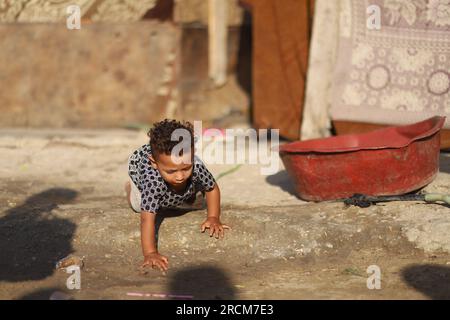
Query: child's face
{"points": [[174, 171]]}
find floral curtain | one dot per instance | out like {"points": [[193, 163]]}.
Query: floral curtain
{"points": [[55, 10]]}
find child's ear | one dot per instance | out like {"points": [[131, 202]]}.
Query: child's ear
{"points": [[153, 162]]}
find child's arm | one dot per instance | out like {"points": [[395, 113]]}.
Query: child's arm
{"points": [[148, 242], [212, 222]]}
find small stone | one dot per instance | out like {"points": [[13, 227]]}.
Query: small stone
{"points": [[70, 261]]}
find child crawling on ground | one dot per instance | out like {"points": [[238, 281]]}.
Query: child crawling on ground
{"points": [[165, 174]]}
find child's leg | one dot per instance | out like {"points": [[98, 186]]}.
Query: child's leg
{"points": [[133, 196]]}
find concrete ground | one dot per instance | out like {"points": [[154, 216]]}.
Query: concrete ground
{"points": [[61, 193]]}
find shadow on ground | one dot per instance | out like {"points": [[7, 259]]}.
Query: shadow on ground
{"points": [[203, 283], [281, 179], [429, 279], [32, 239], [444, 162], [45, 294]]}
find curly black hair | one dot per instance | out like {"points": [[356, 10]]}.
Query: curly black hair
{"points": [[161, 133]]}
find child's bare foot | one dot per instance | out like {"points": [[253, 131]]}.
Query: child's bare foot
{"points": [[128, 191]]}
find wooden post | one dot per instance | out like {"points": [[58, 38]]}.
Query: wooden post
{"points": [[217, 37]]}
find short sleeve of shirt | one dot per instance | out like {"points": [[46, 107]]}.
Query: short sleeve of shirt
{"points": [[204, 179]]}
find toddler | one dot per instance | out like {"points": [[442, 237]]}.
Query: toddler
{"points": [[163, 175]]}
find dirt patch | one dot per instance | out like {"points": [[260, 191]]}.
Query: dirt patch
{"points": [[294, 252]]}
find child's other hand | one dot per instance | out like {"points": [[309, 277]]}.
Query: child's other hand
{"points": [[216, 228], [156, 260]]}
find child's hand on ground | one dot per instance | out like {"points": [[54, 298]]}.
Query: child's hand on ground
{"points": [[216, 228], [156, 260]]}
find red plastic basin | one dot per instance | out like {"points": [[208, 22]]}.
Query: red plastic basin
{"points": [[389, 161]]}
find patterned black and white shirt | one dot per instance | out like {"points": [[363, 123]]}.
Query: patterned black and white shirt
{"points": [[155, 193]]}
